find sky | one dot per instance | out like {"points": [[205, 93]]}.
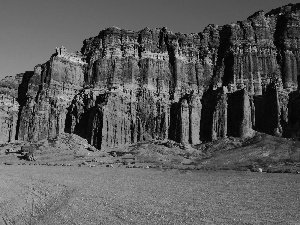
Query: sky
{"points": [[31, 29]]}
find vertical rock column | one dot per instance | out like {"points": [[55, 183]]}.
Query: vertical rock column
{"points": [[246, 125], [219, 123], [195, 118], [287, 70], [185, 125], [13, 126]]}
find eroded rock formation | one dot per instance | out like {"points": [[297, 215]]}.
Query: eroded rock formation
{"points": [[126, 86]]}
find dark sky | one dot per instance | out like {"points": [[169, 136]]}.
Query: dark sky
{"points": [[31, 29]]}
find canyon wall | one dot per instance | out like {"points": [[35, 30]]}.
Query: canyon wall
{"points": [[125, 86]]}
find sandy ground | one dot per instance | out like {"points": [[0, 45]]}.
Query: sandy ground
{"points": [[40, 194]]}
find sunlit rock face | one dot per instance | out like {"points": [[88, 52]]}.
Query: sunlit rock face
{"points": [[9, 107], [125, 86], [49, 91]]}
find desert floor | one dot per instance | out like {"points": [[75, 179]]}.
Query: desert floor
{"points": [[41, 194]]}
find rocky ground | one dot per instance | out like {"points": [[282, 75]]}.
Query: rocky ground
{"points": [[153, 182], [83, 195], [271, 154]]}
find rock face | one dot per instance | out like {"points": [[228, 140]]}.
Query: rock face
{"points": [[9, 107], [125, 86], [49, 90]]}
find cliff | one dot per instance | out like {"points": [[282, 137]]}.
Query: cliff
{"points": [[125, 87]]}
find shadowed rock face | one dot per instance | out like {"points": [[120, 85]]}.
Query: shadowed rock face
{"points": [[126, 86]]}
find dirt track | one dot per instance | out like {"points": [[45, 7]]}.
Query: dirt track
{"points": [[99, 195]]}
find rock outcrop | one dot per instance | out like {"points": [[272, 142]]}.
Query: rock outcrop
{"points": [[125, 86], [9, 107], [50, 89]]}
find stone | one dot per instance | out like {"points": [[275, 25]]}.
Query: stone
{"points": [[125, 87]]}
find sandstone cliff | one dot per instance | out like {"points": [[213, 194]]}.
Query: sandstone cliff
{"points": [[126, 86]]}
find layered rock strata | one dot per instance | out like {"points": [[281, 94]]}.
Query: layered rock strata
{"points": [[48, 92], [126, 86]]}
